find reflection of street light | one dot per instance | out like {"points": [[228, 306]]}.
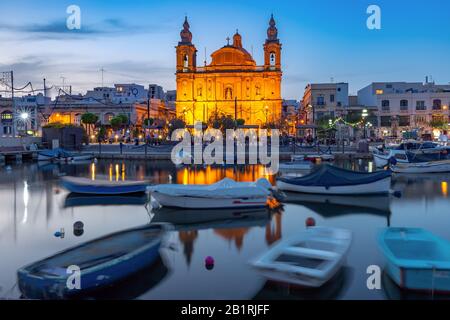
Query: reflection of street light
{"points": [[364, 116], [266, 110]]}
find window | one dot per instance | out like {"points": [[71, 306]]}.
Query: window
{"points": [[403, 121], [320, 101], [389, 86], [379, 91], [420, 120], [437, 104], [403, 104], [385, 121], [7, 130], [7, 117], [420, 105], [385, 105], [272, 59], [185, 61], [332, 98]]}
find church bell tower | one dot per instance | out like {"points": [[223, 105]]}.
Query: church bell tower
{"points": [[272, 48], [186, 51]]}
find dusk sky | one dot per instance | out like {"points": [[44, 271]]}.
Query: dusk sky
{"points": [[134, 40]]}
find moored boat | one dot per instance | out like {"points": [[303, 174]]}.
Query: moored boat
{"points": [[104, 187], [79, 200], [422, 167], [62, 155], [416, 259], [296, 165], [328, 179], [309, 259], [226, 193], [101, 262]]}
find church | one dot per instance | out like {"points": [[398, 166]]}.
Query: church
{"points": [[232, 84]]}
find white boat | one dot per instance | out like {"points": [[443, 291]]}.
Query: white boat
{"points": [[399, 154], [310, 258], [61, 155], [328, 179], [422, 167], [226, 193]]}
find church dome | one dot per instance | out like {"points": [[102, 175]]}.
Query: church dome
{"points": [[232, 55]]}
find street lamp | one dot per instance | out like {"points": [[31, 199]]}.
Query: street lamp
{"points": [[24, 116]]}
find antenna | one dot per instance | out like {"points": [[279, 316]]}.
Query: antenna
{"points": [[102, 70], [205, 56], [332, 80]]}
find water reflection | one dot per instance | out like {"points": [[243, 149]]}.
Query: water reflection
{"points": [[78, 200], [232, 225], [333, 289]]}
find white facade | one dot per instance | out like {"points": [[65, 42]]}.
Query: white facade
{"points": [[325, 99], [405, 106]]}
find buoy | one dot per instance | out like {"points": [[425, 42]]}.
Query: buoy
{"points": [[310, 222], [209, 263], [78, 228], [78, 225]]}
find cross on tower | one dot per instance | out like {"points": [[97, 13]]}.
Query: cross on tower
{"points": [[228, 41]]}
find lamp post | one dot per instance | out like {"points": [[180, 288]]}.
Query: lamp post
{"points": [[266, 109], [364, 115]]}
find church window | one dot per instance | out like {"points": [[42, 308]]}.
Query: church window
{"points": [[185, 61], [272, 59], [228, 93]]}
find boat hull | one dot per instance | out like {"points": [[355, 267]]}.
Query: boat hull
{"points": [[377, 187], [37, 286], [100, 188], [207, 203], [382, 160], [425, 167]]}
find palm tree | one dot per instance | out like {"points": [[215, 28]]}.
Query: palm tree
{"points": [[89, 119]]}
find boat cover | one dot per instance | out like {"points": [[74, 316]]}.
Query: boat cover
{"points": [[327, 175], [226, 188]]}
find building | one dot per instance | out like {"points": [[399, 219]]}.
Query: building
{"points": [[324, 100], [156, 92], [28, 114], [121, 93], [289, 114], [232, 84], [408, 106]]}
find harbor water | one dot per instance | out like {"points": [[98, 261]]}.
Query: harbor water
{"points": [[34, 206]]}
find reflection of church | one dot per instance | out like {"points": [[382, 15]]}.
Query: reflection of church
{"points": [[232, 83]]}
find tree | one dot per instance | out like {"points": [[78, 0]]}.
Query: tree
{"points": [[89, 119], [149, 121], [240, 122], [101, 133], [439, 124], [119, 121], [175, 124]]}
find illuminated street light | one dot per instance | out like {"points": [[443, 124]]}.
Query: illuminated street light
{"points": [[24, 115]]}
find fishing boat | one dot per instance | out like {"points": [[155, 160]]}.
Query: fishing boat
{"points": [[102, 262], [308, 259], [416, 259], [422, 167], [329, 179], [226, 193], [103, 187], [406, 152], [62, 155]]}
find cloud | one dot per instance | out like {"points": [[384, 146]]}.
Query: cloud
{"points": [[57, 28]]}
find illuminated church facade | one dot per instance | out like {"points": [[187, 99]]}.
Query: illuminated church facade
{"points": [[232, 84]]}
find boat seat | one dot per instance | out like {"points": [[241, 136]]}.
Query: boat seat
{"points": [[328, 255]]}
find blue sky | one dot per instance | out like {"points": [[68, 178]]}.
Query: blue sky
{"points": [[134, 40]]}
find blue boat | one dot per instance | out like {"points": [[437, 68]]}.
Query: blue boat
{"points": [[102, 262], [416, 259], [103, 187]]}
